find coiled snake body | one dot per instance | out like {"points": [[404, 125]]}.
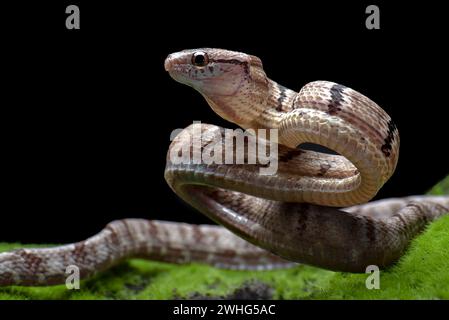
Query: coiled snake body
{"points": [[293, 213]]}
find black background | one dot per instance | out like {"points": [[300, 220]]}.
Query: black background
{"points": [[87, 114]]}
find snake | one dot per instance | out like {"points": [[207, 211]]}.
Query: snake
{"points": [[314, 209]]}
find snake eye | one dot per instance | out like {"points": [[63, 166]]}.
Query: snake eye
{"points": [[200, 59]]}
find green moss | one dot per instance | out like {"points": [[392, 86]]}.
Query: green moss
{"points": [[421, 274], [441, 188]]}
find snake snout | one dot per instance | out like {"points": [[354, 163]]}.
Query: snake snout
{"points": [[168, 63]]}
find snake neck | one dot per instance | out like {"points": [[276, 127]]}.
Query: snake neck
{"points": [[258, 105], [279, 101]]}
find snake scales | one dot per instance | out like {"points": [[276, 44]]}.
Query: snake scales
{"points": [[293, 213]]}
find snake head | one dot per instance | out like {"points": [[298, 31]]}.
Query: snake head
{"points": [[223, 77], [210, 71]]}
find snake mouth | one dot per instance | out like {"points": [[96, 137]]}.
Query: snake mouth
{"points": [[177, 69]]}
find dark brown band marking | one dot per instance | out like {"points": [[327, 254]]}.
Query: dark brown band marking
{"points": [[31, 260], [386, 147], [370, 230], [197, 234], [303, 217], [281, 97], [324, 167], [127, 229], [290, 155], [154, 231], [113, 234], [336, 98], [420, 209], [401, 218], [79, 251]]}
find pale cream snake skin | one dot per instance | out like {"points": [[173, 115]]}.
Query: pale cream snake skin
{"points": [[294, 213]]}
